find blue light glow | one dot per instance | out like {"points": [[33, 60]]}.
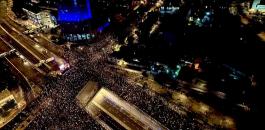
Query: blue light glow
{"points": [[74, 13], [101, 28], [75, 2]]}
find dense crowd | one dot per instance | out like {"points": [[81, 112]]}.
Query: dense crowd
{"points": [[90, 63]]}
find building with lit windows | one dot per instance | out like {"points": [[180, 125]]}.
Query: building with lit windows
{"points": [[74, 11], [78, 22], [42, 18], [259, 5]]}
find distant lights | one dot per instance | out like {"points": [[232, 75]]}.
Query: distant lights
{"points": [[36, 45], [76, 14], [190, 19], [152, 68], [196, 66], [64, 66], [61, 67], [204, 108], [136, 60], [26, 63], [122, 63], [207, 13], [21, 56]]}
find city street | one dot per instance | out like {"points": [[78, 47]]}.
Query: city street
{"points": [[136, 65], [18, 95], [22, 49], [125, 114], [42, 40]]}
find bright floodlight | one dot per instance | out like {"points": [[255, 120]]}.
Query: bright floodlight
{"points": [[62, 67]]}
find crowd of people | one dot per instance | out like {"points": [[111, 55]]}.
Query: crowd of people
{"points": [[90, 63]]}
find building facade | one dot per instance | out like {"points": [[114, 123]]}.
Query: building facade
{"points": [[42, 19], [79, 20], [259, 5]]}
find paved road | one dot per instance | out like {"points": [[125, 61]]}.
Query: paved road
{"points": [[23, 42], [26, 50], [4, 48], [121, 116], [23, 66], [122, 112], [43, 41]]}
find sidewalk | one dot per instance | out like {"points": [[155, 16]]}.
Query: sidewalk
{"points": [[21, 104], [180, 100]]}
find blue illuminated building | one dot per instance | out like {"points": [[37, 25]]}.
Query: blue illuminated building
{"points": [[76, 21], [75, 12]]}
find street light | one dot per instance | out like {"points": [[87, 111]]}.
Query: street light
{"points": [[122, 63], [21, 56], [26, 63]]}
